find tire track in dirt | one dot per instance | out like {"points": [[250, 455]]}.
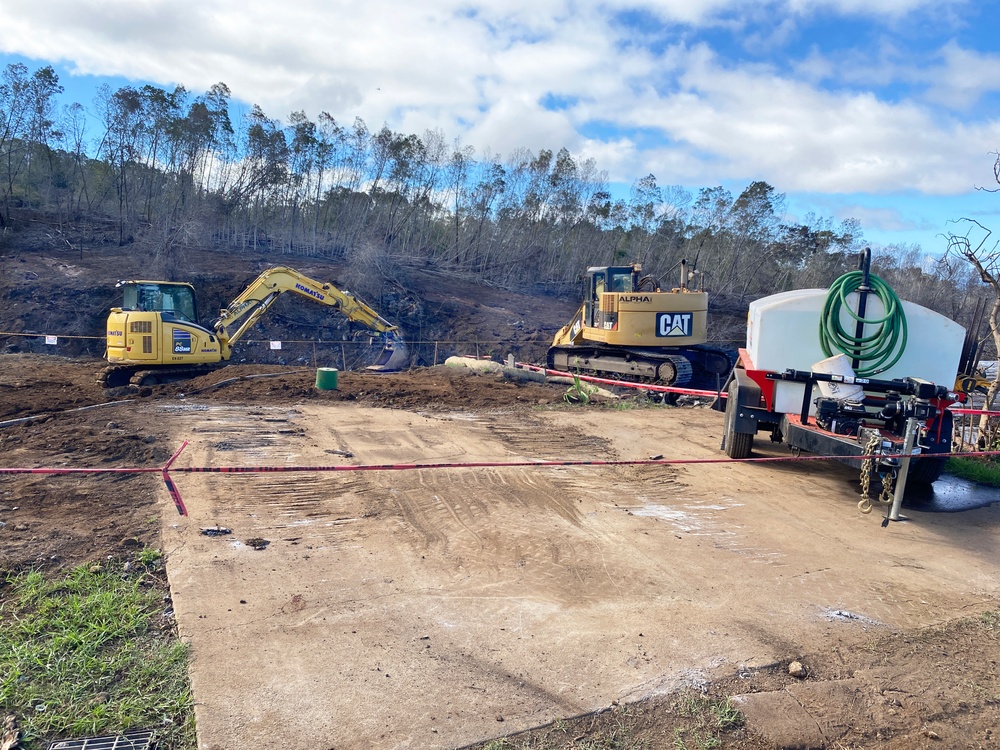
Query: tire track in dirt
{"points": [[515, 590], [308, 509]]}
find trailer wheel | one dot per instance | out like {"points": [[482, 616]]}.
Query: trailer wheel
{"points": [[925, 470], [738, 444]]}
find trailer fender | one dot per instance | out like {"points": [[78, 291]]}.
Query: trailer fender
{"points": [[748, 412]]}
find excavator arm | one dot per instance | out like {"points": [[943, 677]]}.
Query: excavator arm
{"points": [[236, 319]]}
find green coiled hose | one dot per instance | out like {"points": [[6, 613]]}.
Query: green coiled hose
{"points": [[877, 352]]}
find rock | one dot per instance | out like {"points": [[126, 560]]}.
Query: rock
{"points": [[479, 365], [522, 376], [795, 669]]}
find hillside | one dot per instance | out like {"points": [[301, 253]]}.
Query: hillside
{"points": [[61, 282], [489, 600]]}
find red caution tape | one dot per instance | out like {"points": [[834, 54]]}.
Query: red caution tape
{"points": [[171, 487], [56, 470], [182, 510], [621, 383]]}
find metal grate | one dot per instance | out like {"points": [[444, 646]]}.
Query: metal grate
{"points": [[140, 326], [140, 739]]}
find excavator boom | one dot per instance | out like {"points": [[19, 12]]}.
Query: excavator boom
{"points": [[236, 319]]}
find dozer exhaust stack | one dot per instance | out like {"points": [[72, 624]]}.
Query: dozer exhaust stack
{"points": [[394, 357]]}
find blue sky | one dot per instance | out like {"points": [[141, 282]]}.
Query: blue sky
{"points": [[881, 110]]}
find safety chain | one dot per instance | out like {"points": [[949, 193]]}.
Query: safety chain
{"points": [[868, 470]]}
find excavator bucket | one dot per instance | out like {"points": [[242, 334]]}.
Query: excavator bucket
{"points": [[394, 357]]}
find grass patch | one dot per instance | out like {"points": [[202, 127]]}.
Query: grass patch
{"points": [[688, 721], [979, 470], [93, 652], [991, 619], [709, 719]]}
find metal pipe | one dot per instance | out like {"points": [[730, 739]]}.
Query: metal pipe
{"points": [[863, 290], [913, 425]]}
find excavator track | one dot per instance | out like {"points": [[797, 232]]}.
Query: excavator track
{"points": [[693, 367], [137, 376]]}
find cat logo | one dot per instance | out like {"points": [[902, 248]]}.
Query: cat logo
{"points": [[674, 324]]}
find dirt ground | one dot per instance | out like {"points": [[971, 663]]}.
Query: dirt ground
{"points": [[100, 429], [441, 608]]}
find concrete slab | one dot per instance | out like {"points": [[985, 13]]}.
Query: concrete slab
{"points": [[437, 607]]}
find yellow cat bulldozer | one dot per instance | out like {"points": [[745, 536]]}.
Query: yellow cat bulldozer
{"points": [[155, 337], [628, 328]]}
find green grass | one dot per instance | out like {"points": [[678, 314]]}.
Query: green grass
{"points": [[980, 470], [991, 619], [90, 652], [693, 721]]}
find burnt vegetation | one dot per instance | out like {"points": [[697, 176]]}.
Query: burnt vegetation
{"points": [[162, 172]]}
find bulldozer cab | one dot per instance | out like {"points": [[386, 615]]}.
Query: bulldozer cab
{"points": [[601, 279], [171, 298]]}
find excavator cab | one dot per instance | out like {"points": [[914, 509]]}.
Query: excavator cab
{"points": [[601, 279], [172, 298]]}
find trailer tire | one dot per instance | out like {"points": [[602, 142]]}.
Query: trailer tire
{"points": [[738, 444], [928, 469], [925, 470]]}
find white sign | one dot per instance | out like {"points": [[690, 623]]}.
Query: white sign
{"points": [[275, 344], [51, 340]]}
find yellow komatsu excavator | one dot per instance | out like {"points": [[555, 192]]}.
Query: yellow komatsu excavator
{"points": [[628, 328], [155, 337]]}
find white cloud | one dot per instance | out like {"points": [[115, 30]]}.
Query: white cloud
{"points": [[963, 76], [479, 70], [754, 124]]}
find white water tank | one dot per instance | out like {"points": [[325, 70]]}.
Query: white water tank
{"points": [[783, 333]]}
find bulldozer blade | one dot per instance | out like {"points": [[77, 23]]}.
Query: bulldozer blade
{"points": [[394, 357]]}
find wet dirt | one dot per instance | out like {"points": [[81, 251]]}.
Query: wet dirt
{"points": [[951, 494], [598, 586]]}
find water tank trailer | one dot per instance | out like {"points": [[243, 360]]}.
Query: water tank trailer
{"points": [[849, 372]]}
